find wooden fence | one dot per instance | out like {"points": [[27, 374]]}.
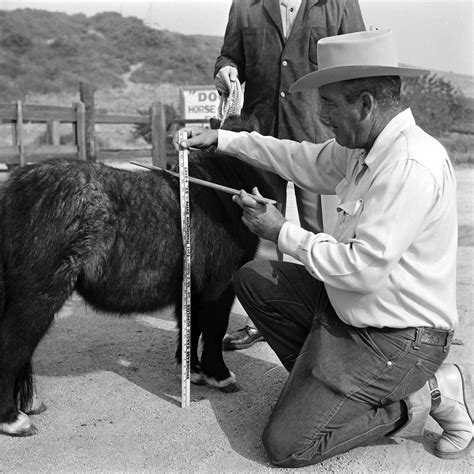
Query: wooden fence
{"points": [[83, 116]]}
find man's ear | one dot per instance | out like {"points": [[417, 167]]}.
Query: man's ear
{"points": [[367, 104]]}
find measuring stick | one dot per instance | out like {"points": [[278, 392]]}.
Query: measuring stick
{"points": [[208, 184], [186, 288]]}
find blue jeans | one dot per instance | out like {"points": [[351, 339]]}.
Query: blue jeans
{"points": [[346, 384]]}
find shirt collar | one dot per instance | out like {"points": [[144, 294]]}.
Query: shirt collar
{"points": [[389, 134]]}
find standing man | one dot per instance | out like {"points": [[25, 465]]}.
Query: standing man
{"points": [[268, 44], [364, 323]]}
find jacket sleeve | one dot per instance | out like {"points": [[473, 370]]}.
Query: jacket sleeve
{"points": [[232, 51], [352, 20]]}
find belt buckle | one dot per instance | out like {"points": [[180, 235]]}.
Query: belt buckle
{"points": [[434, 338], [417, 342], [448, 340]]}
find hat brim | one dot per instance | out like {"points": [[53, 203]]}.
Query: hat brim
{"points": [[322, 77]]}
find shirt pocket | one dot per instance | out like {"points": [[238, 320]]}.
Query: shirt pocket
{"points": [[348, 216], [342, 188], [318, 32]]}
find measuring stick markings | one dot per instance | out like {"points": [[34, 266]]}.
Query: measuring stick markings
{"points": [[186, 287]]}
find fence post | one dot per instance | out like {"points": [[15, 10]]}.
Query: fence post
{"points": [[87, 97], [80, 130], [52, 131], [19, 132], [158, 135], [14, 137]]}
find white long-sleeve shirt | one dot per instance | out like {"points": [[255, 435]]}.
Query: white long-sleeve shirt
{"points": [[391, 261]]}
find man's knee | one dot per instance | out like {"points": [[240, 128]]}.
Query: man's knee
{"points": [[284, 450], [276, 445]]}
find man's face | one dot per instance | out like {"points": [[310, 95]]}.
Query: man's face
{"points": [[344, 118]]}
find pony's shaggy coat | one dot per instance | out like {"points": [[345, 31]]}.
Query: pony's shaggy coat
{"points": [[114, 237]]}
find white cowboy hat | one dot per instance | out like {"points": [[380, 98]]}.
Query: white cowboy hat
{"points": [[353, 56]]}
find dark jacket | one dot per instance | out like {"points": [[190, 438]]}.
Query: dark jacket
{"points": [[268, 65]]}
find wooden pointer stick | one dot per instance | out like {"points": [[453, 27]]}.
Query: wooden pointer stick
{"points": [[209, 184]]}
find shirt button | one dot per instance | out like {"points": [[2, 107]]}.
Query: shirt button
{"points": [[389, 363], [284, 63], [291, 9], [282, 94]]}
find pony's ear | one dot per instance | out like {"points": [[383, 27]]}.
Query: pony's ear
{"points": [[235, 123], [214, 123]]}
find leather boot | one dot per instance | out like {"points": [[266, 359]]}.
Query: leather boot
{"points": [[451, 407]]}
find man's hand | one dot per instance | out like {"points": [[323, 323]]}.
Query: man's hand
{"points": [[198, 138], [223, 78], [262, 219]]}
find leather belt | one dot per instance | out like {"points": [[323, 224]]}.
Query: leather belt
{"points": [[430, 336], [435, 337]]}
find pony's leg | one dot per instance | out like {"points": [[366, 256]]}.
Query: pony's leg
{"points": [[196, 375], [36, 406], [27, 317], [215, 318]]}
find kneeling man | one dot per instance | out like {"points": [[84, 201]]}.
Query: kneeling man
{"points": [[364, 323]]}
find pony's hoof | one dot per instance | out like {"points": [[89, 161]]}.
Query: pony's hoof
{"points": [[227, 385], [231, 388], [21, 427], [31, 431], [197, 378], [36, 407]]}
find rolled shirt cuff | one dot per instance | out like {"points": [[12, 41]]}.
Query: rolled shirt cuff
{"points": [[224, 137], [297, 242]]}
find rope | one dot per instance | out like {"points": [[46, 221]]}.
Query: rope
{"points": [[231, 104]]}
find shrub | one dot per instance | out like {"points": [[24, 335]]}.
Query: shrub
{"points": [[460, 147], [17, 42], [435, 102]]}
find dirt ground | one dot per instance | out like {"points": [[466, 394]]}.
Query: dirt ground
{"points": [[113, 397]]}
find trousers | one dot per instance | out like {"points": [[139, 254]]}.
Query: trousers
{"points": [[346, 385]]}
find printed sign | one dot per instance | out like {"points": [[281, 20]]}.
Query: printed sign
{"points": [[198, 102]]}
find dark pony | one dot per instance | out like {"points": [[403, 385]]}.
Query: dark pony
{"points": [[114, 237]]}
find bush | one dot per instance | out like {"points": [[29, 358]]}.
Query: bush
{"points": [[17, 42], [460, 147], [435, 102]]}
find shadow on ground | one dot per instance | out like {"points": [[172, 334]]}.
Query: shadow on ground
{"points": [[139, 350]]}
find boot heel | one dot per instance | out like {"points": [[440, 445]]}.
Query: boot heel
{"points": [[466, 376]]}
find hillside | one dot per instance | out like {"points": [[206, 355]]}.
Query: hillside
{"points": [[44, 52], [45, 55]]}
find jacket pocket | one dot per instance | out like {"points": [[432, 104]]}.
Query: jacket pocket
{"points": [[318, 32], [254, 40]]}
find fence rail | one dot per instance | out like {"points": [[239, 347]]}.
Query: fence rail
{"points": [[83, 116]]}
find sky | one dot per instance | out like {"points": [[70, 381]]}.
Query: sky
{"points": [[436, 34]]}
